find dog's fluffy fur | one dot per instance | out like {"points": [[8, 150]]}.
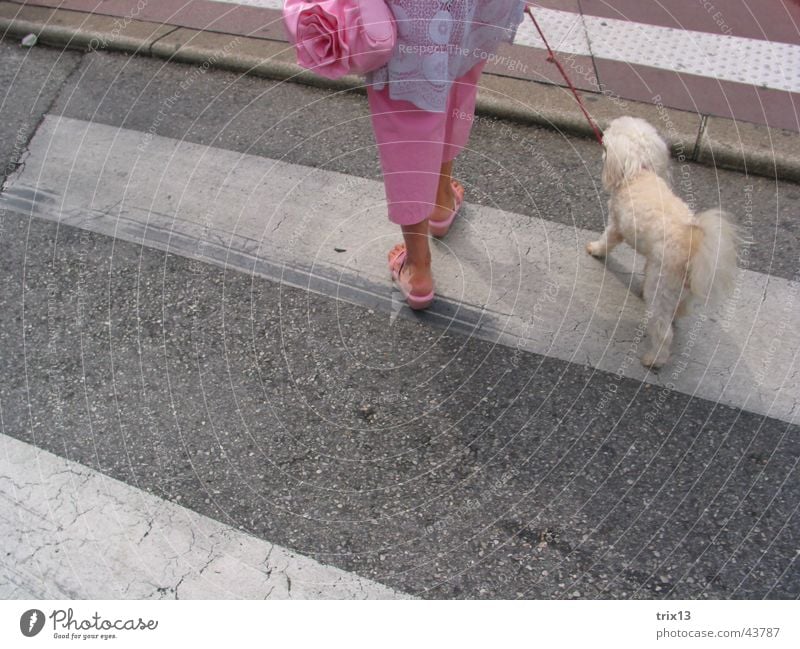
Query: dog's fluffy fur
{"points": [[687, 254]]}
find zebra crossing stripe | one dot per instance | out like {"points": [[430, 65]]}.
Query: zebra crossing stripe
{"points": [[69, 532], [509, 278]]}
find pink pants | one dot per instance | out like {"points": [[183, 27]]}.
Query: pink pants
{"points": [[413, 144]]}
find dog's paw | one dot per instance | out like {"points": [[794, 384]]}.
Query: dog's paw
{"points": [[653, 361], [595, 249], [683, 309]]}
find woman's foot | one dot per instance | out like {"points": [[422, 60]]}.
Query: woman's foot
{"points": [[448, 203], [414, 280]]}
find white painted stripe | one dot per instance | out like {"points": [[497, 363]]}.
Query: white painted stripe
{"points": [[69, 532], [193, 200], [728, 58]]}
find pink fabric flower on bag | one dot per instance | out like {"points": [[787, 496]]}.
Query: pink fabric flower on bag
{"points": [[322, 43], [336, 37]]}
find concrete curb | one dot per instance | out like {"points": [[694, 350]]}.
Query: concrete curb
{"points": [[720, 142]]}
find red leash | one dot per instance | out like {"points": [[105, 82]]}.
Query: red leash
{"points": [[551, 57]]}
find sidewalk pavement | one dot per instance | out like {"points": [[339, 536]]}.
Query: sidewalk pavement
{"points": [[720, 85]]}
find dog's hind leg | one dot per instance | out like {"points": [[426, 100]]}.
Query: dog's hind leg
{"points": [[607, 242], [662, 294], [683, 305]]}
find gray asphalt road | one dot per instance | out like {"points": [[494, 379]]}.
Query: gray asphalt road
{"points": [[434, 462]]}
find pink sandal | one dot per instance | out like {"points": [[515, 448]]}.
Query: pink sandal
{"points": [[440, 228], [416, 302]]}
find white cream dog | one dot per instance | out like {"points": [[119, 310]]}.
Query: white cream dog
{"points": [[686, 253]]}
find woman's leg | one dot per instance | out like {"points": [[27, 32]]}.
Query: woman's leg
{"points": [[410, 147], [460, 117], [410, 143]]}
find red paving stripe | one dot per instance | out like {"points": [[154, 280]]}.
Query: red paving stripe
{"points": [[771, 20], [702, 95], [530, 63], [560, 5], [226, 18]]}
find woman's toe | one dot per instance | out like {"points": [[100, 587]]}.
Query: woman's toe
{"points": [[458, 190]]}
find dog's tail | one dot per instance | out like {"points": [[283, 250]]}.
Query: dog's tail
{"points": [[715, 244]]}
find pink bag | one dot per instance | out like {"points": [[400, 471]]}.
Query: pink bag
{"points": [[337, 37]]}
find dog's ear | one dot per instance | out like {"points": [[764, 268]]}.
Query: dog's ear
{"points": [[653, 152], [613, 166], [660, 158]]}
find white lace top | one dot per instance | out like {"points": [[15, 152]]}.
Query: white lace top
{"points": [[440, 40]]}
